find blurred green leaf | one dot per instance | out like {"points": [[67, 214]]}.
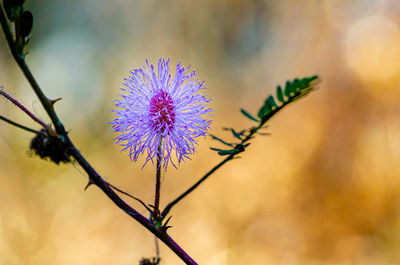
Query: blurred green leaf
{"points": [[220, 140], [279, 94], [236, 134], [293, 90], [222, 152], [271, 102], [26, 22], [288, 89], [248, 115]]}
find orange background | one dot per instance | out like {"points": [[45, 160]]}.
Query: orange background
{"points": [[322, 189]]}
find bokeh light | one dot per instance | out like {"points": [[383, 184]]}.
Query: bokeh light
{"points": [[322, 189], [373, 49]]}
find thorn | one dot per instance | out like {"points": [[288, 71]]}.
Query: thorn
{"points": [[169, 218], [165, 228], [87, 185], [53, 101]]}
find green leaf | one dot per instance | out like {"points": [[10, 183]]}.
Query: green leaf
{"points": [[297, 85], [279, 94], [222, 152], [271, 102], [297, 88], [264, 110], [261, 112], [248, 115], [236, 134], [288, 89], [26, 22], [222, 141]]}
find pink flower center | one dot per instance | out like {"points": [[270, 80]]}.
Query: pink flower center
{"points": [[162, 112]]}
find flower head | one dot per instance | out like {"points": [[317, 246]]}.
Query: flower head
{"points": [[161, 115]]}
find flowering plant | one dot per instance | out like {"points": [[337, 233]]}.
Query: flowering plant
{"points": [[159, 115]]}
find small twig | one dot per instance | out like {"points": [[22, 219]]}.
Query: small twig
{"points": [[193, 187], [30, 114], [19, 125], [129, 195]]}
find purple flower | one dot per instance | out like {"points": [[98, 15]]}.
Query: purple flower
{"points": [[161, 115]]}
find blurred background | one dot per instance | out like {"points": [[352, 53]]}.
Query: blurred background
{"points": [[322, 189]]}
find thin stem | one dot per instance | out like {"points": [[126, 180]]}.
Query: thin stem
{"points": [[209, 173], [96, 179], [158, 184], [130, 196], [30, 114], [20, 59], [194, 186], [19, 125], [155, 215], [249, 136]]}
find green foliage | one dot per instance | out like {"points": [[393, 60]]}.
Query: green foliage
{"points": [[292, 91], [22, 22], [236, 150], [237, 135], [220, 140], [248, 115]]}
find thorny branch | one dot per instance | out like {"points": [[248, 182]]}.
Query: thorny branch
{"points": [[94, 177]]}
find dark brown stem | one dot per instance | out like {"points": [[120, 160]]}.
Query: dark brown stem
{"points": [[158, 183], [19, 125], [30, 114], [94, 177]]}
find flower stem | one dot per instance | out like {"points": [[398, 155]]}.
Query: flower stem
{"points": [[156, 212], [158, 186], [155, 215]]}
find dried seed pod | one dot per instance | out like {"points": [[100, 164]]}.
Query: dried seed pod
{"points": [[46, 146]]}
